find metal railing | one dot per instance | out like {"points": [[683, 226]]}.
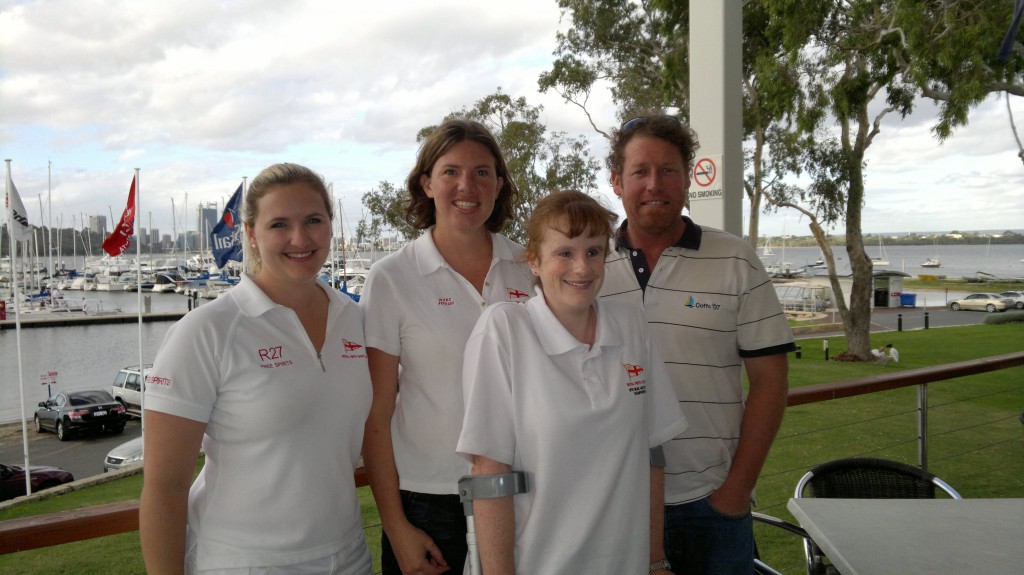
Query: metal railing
{"points": [[81, 524]]}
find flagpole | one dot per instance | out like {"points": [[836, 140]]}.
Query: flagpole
{"points": [[17, 330], [241, 217], [138, 269]]}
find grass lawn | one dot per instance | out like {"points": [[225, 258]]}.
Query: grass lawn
{"points": [[976, 443]]}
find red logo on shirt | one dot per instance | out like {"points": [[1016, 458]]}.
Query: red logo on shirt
{"points": [[273, 357], [516, 295], [445, 301], [633, 370], [157, 380], [636, 384], [350, 345]]}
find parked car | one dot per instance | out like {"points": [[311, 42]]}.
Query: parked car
{"points": [[75, 411], [128, 453], [127, 388], [1016, 296], [12, 479], [982, 301]]}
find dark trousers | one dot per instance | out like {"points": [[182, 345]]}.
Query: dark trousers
{"points": [[440, 517], [701, 541]]}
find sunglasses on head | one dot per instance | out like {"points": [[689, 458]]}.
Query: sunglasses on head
{"points": [[640, 120]]}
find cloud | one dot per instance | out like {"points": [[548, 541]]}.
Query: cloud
{"points": [[198, 94]]}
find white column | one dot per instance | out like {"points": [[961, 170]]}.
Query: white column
{"points": [[716, 113]]}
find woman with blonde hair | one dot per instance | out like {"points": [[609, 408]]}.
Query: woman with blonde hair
{"points": [[272, 381]]}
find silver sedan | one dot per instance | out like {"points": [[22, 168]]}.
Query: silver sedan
{"points": [[989, 302]]}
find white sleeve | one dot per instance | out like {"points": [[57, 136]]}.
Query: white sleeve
{"points": [[186, 374], [382, 311], [488, 426]]}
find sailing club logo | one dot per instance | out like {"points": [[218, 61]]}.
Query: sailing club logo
{"points": [[635, 381], [694, 304], [517, 296], [352, 350]]}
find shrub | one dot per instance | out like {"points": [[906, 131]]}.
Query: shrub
{"points": [[1005, 317]]}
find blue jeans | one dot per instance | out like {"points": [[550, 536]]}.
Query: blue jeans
{"points": [[699, 540], [439, 516]]}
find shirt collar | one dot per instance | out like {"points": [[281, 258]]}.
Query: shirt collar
{"points": [[253, 302], [553, 336], [429, 258], [689, 240]]}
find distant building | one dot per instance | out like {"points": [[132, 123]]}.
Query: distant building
{"points": [[98, 225], [206, 218]]}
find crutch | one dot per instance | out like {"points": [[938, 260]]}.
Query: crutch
{"points": [[485, 487]]}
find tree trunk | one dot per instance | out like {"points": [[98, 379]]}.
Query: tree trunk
{"points": [[857, 322]]}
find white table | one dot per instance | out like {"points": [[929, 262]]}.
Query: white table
{"points": [[933, 536]]}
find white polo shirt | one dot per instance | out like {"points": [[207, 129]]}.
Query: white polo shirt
{"points": [[579, 422], [418, 308], [283, 427], [709, 304]]}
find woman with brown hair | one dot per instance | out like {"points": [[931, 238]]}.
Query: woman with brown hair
{"points": [[421, 304]]}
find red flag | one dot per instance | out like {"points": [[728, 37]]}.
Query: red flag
{"points": [[119, 239]]}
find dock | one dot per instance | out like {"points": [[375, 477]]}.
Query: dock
{"points": [[60, 320]]}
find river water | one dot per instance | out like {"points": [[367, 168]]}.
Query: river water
{"points": [[90, 356]]}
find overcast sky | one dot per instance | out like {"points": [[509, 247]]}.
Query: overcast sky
{"points": [[198, 94]]}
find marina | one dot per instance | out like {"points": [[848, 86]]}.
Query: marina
{"points": [[89, 353]]}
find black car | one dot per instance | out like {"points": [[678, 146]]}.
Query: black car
{"points": [[74, 411], [12, 479]]}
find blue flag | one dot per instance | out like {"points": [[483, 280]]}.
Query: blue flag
{"points": [[226, 237]]}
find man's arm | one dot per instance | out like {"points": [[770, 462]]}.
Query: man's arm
{"points": [[762, 416]]}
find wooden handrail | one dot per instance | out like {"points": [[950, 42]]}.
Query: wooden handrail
{"points": [[81, 524], [68, 526], [897, 379]]}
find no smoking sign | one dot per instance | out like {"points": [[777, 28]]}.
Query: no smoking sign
{"points": [[706, 185], [704, 172]]}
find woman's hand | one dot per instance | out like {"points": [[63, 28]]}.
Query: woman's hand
{"points": [[416, 552]]}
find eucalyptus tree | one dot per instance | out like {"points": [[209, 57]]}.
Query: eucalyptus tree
{"points": [[865, 59], [539, 161], [639, 51]]}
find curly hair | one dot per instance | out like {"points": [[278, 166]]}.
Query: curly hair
{"points": [[664, 127]]}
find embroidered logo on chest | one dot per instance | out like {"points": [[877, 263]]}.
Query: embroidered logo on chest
{"points": [[445, 301], [517, 296], [635, 381], [694, 304], [352, 350]]}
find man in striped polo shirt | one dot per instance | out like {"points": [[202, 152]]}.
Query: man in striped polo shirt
{"points": [[712, 311]]}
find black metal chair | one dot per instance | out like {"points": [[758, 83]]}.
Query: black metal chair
{"points": [[855, 478]]}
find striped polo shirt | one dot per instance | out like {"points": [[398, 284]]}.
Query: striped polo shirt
{"points": [[709, 303]]}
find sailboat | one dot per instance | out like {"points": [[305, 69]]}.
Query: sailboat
{"points": [[882, 259], [934, 261]]}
